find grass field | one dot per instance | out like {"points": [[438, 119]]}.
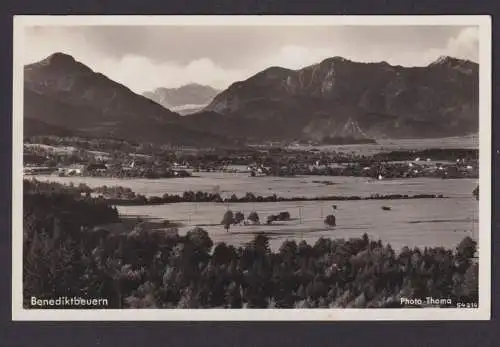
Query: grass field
{"points": [[421, 222], [425, 222], [388, 145]]}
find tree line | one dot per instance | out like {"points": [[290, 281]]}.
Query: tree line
{"points": [[118, 195], [67, 253]]}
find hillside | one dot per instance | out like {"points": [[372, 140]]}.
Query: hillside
{"points": [[341, 98], [61, 92], [335, 101]]}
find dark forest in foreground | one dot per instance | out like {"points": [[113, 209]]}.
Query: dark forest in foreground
{"points": [[66, 254]]}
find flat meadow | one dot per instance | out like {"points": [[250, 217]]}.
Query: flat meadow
{"points": [[420, 222]]}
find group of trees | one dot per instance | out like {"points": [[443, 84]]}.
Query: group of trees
{"points": [[115, 192], [95, 144], [445, 154], [200, 196], [153, 172], [34, 186], [44, 205], [389, 170], [282, 216], [66, 254], [118, 195], [215, 197], [231, 218]]}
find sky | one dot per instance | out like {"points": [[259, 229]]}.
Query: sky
{"points": [[147, 57]]}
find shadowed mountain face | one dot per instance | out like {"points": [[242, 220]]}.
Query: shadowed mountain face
{"points": [[35, 127], [334, 99], [341, 98], [61, 93], [186, 99]]}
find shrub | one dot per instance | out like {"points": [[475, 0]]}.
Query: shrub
{"points": [[238, 217], [227, 219], [330, 220], [253, 217], [284, 216], [271, 218]]}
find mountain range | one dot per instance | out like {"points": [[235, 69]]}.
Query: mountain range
{"points": [[339, 98], [336, 98], [62, 95], [184, 100]]}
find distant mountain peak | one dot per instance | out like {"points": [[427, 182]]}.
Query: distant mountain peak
{"points": [[60, 63], [276, 69], [61, 93], [447, 60], [58, 58], [273, 70], [335, 59], [188, 96], [188, 86], [195, 85]]}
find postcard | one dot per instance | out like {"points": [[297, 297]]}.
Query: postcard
{"points": [[239, 168]]}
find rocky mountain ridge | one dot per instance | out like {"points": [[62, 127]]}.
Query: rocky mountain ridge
{"points": [[339, 97], [336, 98]]}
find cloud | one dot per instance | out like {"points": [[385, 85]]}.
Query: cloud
{"points": [[137, 72], [142, 74], [141, 71], [40, 42], [465, 45], [295, 57]]}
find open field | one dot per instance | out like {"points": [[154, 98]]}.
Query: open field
{"points": [[388, 145], [240, 184], [423, 222]]}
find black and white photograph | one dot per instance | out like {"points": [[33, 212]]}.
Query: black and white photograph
{"points": [[251, 168]]}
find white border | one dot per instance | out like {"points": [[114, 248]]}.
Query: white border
{"points": [[481, 313]]}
